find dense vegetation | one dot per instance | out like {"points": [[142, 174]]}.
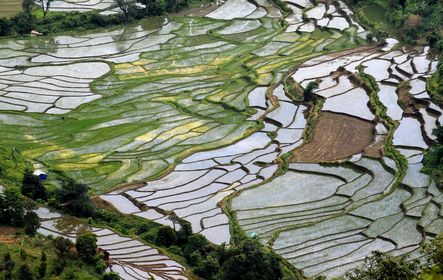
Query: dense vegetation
{"points": [[33, 18], [247, 259], [435, 83], [44, 258], [382, 266], [12, 167], [434, 158], [409, 20]]}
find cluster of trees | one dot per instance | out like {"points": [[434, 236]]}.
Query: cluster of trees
{"points": [[382, 266], [298, 93], [23, 272], [71, 197], [14, 211], [64, 263], [39, 18], [246, 259], [16, 206], [412, 20]]}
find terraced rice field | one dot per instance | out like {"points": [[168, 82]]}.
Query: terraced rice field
{"points": [[130, 258], [126, 105], [10, 7], [358, 206], [188, 114]]}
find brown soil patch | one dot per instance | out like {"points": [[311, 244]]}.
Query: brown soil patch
{"points": [[335, 137], [8, 235]]}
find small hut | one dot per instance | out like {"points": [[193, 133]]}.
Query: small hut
{"points": [[40, 174]]}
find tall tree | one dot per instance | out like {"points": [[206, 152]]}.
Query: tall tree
{"points": [[124, 6], [32, 187], [27, 6], [44, 4], [11, 208], [73, 198]]}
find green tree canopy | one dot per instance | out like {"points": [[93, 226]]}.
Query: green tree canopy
{"points": [[86, 246], [11, 208], [31, 223]]}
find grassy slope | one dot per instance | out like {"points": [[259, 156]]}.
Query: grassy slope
{"points": [[32, 249], [12, 166]]}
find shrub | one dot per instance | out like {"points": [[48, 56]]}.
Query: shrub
{"points": [[8, 265], [62, 247], [111, 276], [86, 246]]}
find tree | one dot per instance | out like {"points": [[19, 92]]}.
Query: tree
{"points": [[27, 6], [184, 232], [44, 4], [25, 273], [11, 208], [208, 267], [196, 242], [309, 90], [73, 198], [166, 236], [381, 266], [124, 6], [32, 187], [438, 132], [86, 246], [31, 223], [111, 276], [4, 27], [62, 246]]}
